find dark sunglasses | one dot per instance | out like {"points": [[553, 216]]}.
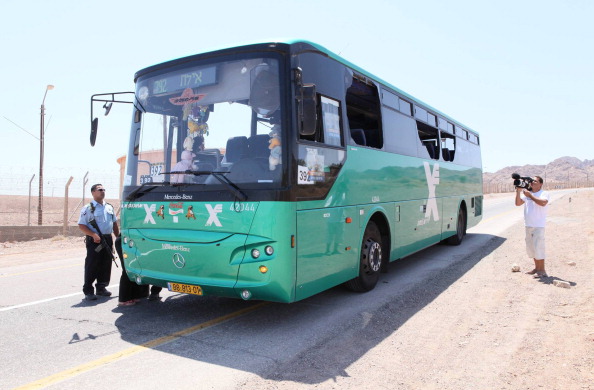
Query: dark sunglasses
{"points": [[100, 189]]}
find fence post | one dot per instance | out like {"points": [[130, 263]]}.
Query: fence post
{"points": [[65, 230], [29, 210], [85, 181]]}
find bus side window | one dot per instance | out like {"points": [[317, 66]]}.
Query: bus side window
{"points": [[430, 145], [358, 135], [328, 129], [331, 121], [448, 146], [429, 139], [364, 113], [400, 132]]}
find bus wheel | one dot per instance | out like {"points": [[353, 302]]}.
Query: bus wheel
{"points": [[370, 261], [460, 228]]}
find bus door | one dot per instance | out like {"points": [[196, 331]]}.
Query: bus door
{"points": [[327, 248]]}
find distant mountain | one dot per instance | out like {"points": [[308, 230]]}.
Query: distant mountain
{"points": [[564, 172]]}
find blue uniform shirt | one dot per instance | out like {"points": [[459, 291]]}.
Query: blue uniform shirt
{"points": [[104, 215]]}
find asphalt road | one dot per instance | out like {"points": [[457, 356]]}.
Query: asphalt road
{"points": [[52, 339]]}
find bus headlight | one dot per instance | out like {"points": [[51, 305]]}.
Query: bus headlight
{"points": [[269, 250], [255, 253], [131, 244]]}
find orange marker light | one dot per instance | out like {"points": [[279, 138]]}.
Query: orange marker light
{"points": [[263, 269], [348, 220]]}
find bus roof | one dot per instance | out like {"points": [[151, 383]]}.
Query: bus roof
{"points": [[308, 45], [358, 69]]}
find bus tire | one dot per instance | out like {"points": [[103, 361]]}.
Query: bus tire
{"points": [[370, 262], [457, 238]]}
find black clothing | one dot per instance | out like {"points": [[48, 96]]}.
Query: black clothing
{"points": [[97, 265], [129, 290]]}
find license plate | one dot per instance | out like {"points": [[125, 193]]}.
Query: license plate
{"points": [[184, 288]]}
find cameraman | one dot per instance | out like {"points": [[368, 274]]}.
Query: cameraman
{"points": [[535, 204]]}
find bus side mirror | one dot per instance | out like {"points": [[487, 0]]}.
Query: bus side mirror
{"points": [[137, 116], [308, 110], [94, 125]]}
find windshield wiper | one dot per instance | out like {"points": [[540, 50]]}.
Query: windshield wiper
{"points": [[219, 175], [143, 189]]}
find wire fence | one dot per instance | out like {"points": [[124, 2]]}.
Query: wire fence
{"points": [[65, 191]]}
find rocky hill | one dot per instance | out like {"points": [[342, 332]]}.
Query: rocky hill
{"points": [[564, 172]]}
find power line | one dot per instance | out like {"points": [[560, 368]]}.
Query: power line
{"points": [[37, 138]]}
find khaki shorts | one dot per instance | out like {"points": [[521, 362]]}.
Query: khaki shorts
{"points": [[535, 242]]}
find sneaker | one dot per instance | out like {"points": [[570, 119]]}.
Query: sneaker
{"points": [[154, 297], [90, 297], [104, 293]]}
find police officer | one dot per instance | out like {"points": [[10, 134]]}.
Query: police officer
{"points": [[101, 215]]}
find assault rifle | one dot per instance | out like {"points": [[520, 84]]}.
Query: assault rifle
{"points": [[103, 242]]}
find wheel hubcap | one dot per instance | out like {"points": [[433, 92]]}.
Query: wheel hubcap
{"points": [[374, 256]]}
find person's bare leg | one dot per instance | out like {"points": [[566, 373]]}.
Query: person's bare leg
{"points": [[540, 268]]}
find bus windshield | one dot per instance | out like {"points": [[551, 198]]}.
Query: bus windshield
{"points": [[209, 125]]}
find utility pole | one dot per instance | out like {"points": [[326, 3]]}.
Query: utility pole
{"points": [[41, 136]]}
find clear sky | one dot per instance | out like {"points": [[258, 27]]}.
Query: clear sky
{"points": [[518, 72]]}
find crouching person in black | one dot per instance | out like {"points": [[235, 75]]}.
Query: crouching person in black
{"points": [[130, 292]]}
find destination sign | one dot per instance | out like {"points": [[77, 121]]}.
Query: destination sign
{"points": [[190, 78]]}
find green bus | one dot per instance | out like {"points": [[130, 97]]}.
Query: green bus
{"points": [[276, 171]]}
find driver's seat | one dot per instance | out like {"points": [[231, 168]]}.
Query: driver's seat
{"points": [[237, 149]]}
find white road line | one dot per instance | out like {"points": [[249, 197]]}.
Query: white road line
{"points": [[48, 300]]}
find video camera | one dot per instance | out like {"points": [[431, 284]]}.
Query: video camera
{"points": [[522, 182]]}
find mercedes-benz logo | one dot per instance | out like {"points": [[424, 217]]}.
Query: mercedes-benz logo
{"points": [[179, 261]]}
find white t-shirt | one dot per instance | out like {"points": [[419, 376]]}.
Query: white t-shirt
{"points": [[535, 215]]}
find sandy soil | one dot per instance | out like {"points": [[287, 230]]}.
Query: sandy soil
{"points": [[491, 329], [37, 251]]}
